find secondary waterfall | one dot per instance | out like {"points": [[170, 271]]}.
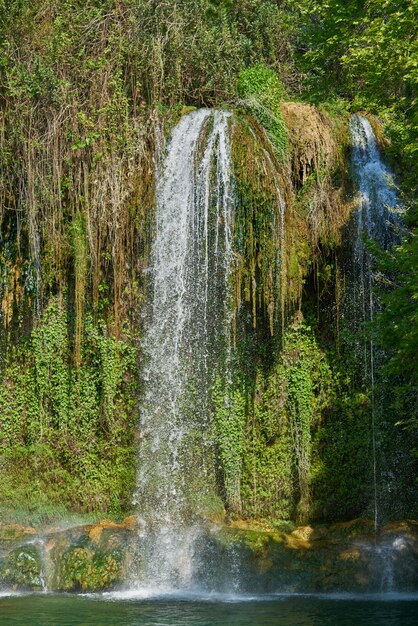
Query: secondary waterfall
{"points": [[186, 334], [377, 219]]}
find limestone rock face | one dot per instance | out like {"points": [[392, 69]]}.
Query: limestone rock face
{"points": [[345, 557]]}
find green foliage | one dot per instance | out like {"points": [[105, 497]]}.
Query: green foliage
{"points": [[395, 328], [261, 92], [264, 430], [367, 52], [260, 80], [229, 420], [396, 325], [343, 441], [308, 394], [267, 485], [70, 428]]}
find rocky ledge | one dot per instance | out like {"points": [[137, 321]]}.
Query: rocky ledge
{"points": [[344, 557]]}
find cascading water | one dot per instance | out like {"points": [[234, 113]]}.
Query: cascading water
{"points": [[377, 219], [186, 335]]}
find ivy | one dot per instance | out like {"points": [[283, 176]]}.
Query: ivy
{"points": [[75, 422], [309, 380], [265, 431], [229, 420]]}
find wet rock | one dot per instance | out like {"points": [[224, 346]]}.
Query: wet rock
{"points": [[81, 569], [403, 527], [21, 568], [345, 557], [90, 560]]}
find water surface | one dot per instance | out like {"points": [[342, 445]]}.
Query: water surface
{"points": [[131, 610]]}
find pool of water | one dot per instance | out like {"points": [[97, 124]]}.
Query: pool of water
{"points": [[130, 609]]}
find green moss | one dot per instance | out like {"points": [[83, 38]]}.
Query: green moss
{"points": [[83, 569], [21, 568], [261, 92]]}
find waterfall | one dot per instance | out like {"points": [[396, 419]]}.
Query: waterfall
{"points": [[387, 561], [186, 333], [377, 219]]}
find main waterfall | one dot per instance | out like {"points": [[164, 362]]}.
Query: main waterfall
{"points": [[186, 334]]}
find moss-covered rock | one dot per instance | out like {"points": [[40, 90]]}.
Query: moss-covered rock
{"points": [[79, 568], [354, 529], [22, 568], [91, 557], [344, 557]]}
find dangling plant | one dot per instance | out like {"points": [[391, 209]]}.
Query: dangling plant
{"points": [[79, 243]]}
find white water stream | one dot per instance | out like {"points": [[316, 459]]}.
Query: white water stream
{"points": [[377, 219], [186, 333]]}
